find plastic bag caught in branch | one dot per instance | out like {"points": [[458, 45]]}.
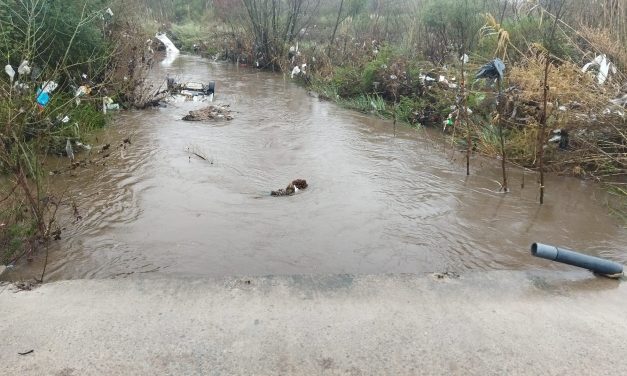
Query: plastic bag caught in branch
{"points": [[23, 69], [43, 94], [9, 70], [49, 86], [605, 67], [83, 90], [493, 69]]}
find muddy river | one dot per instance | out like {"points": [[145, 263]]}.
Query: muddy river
{"points": [[378, 202]]}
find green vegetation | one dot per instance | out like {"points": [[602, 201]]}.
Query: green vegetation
{"points": [[65, 48]]}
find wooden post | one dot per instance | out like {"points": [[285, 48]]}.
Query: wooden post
{"points": [[499, 110]]}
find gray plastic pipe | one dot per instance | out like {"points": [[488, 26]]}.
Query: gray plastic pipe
{"points": [[566, 256]]}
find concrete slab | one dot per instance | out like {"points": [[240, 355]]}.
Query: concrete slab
{"points": [[491, 323]]}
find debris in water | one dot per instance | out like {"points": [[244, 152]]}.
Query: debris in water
{"points": [[189, 91], [192, 150], [191, 88], [448, 275], [77, 215], [26, 352], [292, 188], [199, 156], [209, 113], [25, 286]]}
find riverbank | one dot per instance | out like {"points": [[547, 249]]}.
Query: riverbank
{"points": [[479, 323]]}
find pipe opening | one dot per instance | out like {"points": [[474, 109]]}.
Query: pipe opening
{"points": [[534, 249]]}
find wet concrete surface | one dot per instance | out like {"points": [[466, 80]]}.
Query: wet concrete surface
{"points": [[482, 323], [379, 201]]}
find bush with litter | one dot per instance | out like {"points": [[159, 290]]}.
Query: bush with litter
{"points": [[578, 106]]}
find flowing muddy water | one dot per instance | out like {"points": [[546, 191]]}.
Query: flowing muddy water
{"points": [[377, 202]]}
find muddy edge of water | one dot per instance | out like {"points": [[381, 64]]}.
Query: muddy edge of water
{"points": [[377, 202]]}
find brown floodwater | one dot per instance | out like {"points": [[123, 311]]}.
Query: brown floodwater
{"points": [[378, 201]]}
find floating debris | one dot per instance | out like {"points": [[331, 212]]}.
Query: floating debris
{"points": [[210, 113], [189, 91], [292, 188]]}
